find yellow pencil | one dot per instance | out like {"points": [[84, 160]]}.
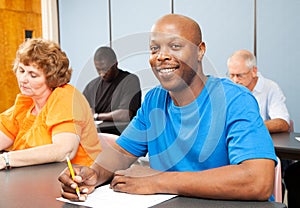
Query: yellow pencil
{"points": [[72, 174]]}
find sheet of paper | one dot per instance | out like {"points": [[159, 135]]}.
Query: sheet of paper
{"points": [[106, 197], [98, 122], [298, 138]]}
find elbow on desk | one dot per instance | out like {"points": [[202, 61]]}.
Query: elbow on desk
{"points": [[259, 191], [262, 193], [62, 152]]}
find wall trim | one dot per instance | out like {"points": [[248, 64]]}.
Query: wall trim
{"points": [[50, 20]]}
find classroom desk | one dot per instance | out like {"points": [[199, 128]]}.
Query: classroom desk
{"points": [[112, 127], [286, 146], [37, 186]]}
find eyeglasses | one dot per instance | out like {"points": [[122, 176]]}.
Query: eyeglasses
{"points": [[238, 76]]}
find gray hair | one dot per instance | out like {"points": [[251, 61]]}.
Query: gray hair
{"points": [[249, 58]]}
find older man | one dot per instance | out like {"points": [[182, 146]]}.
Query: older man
{"points": [[242, 70]]}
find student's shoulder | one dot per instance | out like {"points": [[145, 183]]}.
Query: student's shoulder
{"points": [[91, 85], [271, 84], [156, 92], [231, 89], [231, 86], [128, 74], [94, 81], [224, 82], [66, 92]]}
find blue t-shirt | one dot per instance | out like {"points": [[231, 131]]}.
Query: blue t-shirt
{"points": [[221, 126]]}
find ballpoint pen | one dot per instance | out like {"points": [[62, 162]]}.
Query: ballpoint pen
{"points": [[72, 174]]}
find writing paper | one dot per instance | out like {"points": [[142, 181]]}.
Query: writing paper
{"points": [[106, 197], [98, 122]]}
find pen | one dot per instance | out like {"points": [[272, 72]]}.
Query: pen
{"points": [[72, 175]]}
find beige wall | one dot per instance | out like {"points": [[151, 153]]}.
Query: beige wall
{"points": [[16, 16]]}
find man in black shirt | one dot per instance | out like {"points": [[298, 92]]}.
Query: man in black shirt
{"points": [[116, 94]]}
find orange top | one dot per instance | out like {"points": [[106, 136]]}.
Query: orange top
{"points": [[66, 110]]}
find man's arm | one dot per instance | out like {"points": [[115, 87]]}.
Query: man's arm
{"points": [[112, 158], [277, 125], [116, 115], [250, 180], [129, 101], [277, 111]]}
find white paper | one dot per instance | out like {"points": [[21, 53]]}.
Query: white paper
{"points": [[298, 138], [106, 197], [98, 122]]}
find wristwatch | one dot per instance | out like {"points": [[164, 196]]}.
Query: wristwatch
{"points": [[6, 158]]}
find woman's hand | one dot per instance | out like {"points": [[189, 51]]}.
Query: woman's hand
{"points": [[2, 162]]}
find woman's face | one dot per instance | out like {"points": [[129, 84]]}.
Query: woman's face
{"points": [[32, 81]]}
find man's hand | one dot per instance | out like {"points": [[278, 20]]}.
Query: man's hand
{"points": [[136, 180], [85, 179]]}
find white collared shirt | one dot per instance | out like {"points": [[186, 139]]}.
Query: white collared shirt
{"points": [[271, 99]]}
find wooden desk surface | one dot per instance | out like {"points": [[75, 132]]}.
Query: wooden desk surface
{"points": [[207, 203], [286, 146], [33, 186], [37, 186]]}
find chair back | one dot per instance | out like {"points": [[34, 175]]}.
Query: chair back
{"points": [[278, 183], [291, 128]]}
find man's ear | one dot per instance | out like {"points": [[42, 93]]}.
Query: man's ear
{"points": [[254, 71], [201, 52], [115, 66]]}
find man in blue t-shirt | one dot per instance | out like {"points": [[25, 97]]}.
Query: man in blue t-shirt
{"points": [[204, 135]]}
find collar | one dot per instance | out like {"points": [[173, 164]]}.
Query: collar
{"points": [[260, 83]]}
